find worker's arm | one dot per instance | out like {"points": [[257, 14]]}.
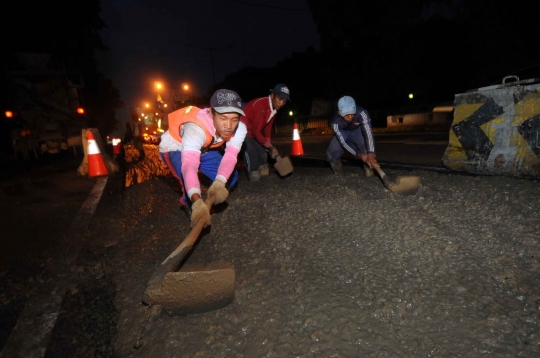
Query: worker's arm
{"points": [[193, 138], [367, 132], [218, 190], [369, 138], [260, 126], [337, 131], [230, 158], [267, 133]]}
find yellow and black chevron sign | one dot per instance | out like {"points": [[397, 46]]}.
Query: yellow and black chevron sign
{"points": [[496, 132]]}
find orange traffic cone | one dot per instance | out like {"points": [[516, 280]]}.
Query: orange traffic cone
{"points": [[297, 148], [96, 164]]}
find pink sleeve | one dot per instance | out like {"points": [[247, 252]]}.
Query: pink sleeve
{"points": [[228, 163], [191, 161]]}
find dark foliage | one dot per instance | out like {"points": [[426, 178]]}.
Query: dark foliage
{"points": [[381, 51], [69, 31]]}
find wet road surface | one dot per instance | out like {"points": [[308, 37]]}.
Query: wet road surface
{"points": [[326, 266]]}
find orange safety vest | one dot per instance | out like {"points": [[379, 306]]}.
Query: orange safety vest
{"points": [[189, 114]]}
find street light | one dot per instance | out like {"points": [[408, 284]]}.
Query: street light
{"points": [[159, 86]]}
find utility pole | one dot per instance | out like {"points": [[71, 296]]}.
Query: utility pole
{"points": [[211, 51]]}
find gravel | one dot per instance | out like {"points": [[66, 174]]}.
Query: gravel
{"points": [[338, 266]]}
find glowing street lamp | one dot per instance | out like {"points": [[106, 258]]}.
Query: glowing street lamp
{"points": [[185, 86], [159, 86], [411, 96]]}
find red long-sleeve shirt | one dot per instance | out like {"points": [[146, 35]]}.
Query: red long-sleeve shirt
{"points": [[259, 119]]}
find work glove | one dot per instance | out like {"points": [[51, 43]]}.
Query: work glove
{"points": [[218, 191], [272, 151], [199, 211], [371, 160]]}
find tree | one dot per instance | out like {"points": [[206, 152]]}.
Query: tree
{"points": [[301, 72], [379, 51], [69, 31]]}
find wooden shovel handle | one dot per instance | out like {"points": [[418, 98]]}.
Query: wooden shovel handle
{"points": [[378, 169], [174, 259], [385, 179]]}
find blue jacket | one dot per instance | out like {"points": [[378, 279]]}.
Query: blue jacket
{"points": [[361, 121]]}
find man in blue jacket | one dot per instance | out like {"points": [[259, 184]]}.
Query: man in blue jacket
{"points": [[352, 133]]}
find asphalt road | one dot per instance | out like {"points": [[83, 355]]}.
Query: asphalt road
{"points": [[43, 214], [73, 287], [413, 149]]}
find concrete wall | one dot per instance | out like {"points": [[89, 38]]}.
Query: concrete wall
{"points": [[496, 131], [419, 119]]}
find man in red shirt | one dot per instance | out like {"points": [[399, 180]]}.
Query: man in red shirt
{"points": [[259, 117]]}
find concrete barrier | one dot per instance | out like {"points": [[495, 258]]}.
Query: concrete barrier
{"points": [[496, 131]]}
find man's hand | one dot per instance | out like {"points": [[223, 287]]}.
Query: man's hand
{"points": [[272, 151], [218, 191], [362, 156], [199, 211], [371, 160]]}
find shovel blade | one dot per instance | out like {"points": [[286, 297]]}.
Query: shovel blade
{"points": [[405, 185], [283, 166], [190, 292]]}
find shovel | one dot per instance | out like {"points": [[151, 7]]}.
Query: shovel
{"points": [[283, 165], [189, 292], [404, 185]]}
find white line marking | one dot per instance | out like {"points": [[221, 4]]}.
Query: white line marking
{"points": [[42, 310]]}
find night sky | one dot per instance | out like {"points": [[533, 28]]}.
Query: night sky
{"points": [[170, 41]]}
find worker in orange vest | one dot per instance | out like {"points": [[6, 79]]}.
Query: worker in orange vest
{"points": [[208, 140]]}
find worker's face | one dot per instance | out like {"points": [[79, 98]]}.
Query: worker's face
{"points": [[225, 124], [278, 102], [348, 118]]}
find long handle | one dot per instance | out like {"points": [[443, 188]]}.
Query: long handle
{"points": [[174, 259], [378, 169], [386, 181]]}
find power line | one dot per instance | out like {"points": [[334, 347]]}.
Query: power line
{"points": [[269, 6], [521, 69]]}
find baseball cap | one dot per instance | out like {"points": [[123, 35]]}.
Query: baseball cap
{"points": [[346, 106], [282, 91], [224, 101]]}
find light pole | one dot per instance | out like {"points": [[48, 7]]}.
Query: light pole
{"points": [[211, 51], [184, 99]]}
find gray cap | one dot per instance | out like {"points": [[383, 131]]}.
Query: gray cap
{"points": [[225, 101]]}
